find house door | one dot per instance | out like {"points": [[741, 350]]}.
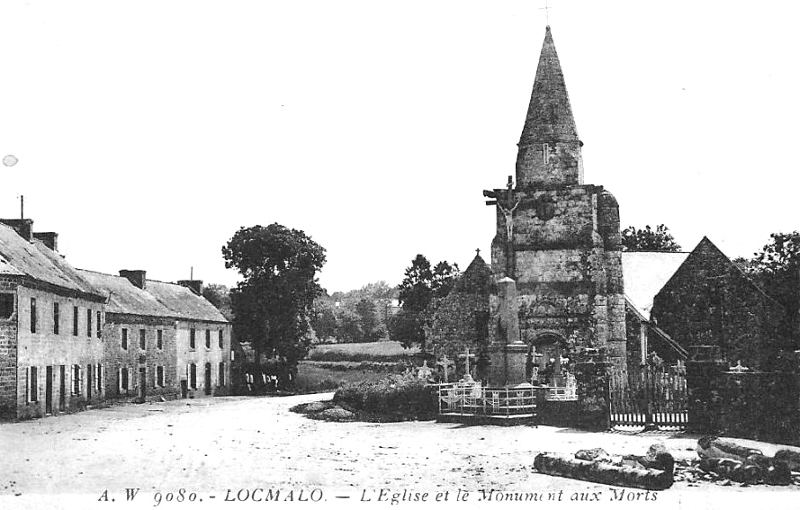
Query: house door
{"points": [[62, 388], [208, 379], [48, 391], [88, 382], [142, 382]]}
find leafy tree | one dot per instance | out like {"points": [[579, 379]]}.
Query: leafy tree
{"points": [[323, 320], [776, 269], [365, 308], [220, 297], [419, 287], [660, 239], [348, 326], [273, 302]]}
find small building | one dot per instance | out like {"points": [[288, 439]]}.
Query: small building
{"points": [[51, 327]]}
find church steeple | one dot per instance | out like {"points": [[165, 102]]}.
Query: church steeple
{"points": [[549, 149]]}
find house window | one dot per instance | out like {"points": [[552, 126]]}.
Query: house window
{"points": [[160, 376], [221, 340], [74, 321], [191, 338], [193, 376], [208, 339], [6, 305], [221, 378], [34, 381], [77, 379], [124, 339], [89, 323], [142, 339], [56, 318], [160, 339], [33, 315], [123, 379], [99, 326]]}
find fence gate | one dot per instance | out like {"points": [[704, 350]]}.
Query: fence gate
{"points": [[649, 396]]}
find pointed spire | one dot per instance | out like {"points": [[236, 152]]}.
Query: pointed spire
{"points": [[549, 147], [549, 116]]}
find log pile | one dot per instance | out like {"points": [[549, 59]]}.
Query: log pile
{"points": [[742, 464]]}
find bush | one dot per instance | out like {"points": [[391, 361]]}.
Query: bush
{"points": [[400, 397], [358, 356]]}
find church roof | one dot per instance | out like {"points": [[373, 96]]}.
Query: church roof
{"points": [[645, 273], [476, 278], [549, 117]]}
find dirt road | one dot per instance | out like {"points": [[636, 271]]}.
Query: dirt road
{"points": [[230, 452]]}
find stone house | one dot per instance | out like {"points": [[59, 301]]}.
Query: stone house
{"points": [[202, 338], [162, 338], [51, 328], [139, 332]]}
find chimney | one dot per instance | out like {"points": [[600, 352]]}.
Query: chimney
{"points": [[49, 239], [24, 227], [136, 277], [195, 285]]}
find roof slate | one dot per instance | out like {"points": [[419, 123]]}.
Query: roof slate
{"points": [[645, 274], [549, 117], [125, 297], [20, 257], [183, 302]]}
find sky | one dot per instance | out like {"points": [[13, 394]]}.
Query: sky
{"points": [[148, 132]]}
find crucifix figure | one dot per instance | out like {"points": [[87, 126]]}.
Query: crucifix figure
{"points": [[508, 213]]}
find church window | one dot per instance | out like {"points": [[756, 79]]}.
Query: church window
{"points": [[124, 339], [545, 153]]}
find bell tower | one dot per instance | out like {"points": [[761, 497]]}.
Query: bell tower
{"points": [[557, 241]]}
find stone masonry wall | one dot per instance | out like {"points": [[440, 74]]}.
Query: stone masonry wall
{"points": [[62, 351], [201, 355], [133, 358], [710, 302], [8, 354]]}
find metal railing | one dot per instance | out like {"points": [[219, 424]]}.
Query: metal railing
{"points": [[456, 399]]}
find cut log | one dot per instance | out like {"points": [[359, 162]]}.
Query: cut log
{"points": [[790, 457], [601, 472], [715, 448]]}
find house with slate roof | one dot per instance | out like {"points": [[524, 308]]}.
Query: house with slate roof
{"points": [[162, 339], [51, 325], [202, 338], [139, 338]]}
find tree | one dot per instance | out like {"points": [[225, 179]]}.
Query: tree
{"points": [[776, 269], [220, 297], [365, 309], [634, 239], [323, 320], [273, 302], [419, 287]]}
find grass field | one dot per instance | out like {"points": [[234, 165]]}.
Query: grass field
{"points": [[313, 377], [373, 351], [343, 364]]}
